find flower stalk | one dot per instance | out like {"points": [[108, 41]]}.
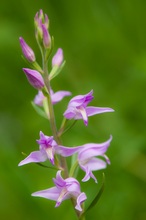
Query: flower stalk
{"points": [[63, 162]]}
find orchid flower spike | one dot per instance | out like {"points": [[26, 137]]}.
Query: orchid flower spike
{"points": [[63, 189], [55, 97], [78, 109]]}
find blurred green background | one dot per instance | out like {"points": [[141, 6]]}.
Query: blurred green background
{"points": [[104, 43]]}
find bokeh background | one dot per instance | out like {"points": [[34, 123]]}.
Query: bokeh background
{"points": [[104, 43]]}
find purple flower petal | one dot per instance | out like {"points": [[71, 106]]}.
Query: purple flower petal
{"points": [[95, 164], [81, 100], [97, 110], [52, 193], [73, 186], [66, 151], [58, 96], [80, 199], [45, 141], [93, 149], [84, 116], [34, 157], [59, 181], [63, 196], [88, 174], [38, 100], [70, 113]]}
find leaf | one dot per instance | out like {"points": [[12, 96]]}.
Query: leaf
{"points": [[45, 166], [97, 197], [39, 110]]}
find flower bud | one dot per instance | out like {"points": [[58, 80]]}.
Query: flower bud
{"points": [[41, 20], [34, 78], [46, 37], [58, 58], [26, 50], [46, 21]]}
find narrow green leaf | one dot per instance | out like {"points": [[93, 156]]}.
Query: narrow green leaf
{"points": [[97, 197], [45, 166], [39, 110]]}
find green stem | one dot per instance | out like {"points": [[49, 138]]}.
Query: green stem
{"points": [[82, 217], [62, 130], [79, 214], [50, 105], [53, 124], [73, 168], [52, 115]]}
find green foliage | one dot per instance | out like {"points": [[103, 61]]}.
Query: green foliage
{"points": [[97, 197]]}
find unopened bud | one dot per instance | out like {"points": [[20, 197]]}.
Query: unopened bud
{"points": [[34, 78], [26, 50], [46, 37], [58, 58], [46, 21], [41, 20]]}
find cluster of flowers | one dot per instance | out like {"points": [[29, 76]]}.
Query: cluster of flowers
{"points": [[90, 156]]}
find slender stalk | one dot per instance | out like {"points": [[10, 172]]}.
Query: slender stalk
{"points": [[50, 105], [79, 214], [72, 170], [52, 116], [53, 125]]}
